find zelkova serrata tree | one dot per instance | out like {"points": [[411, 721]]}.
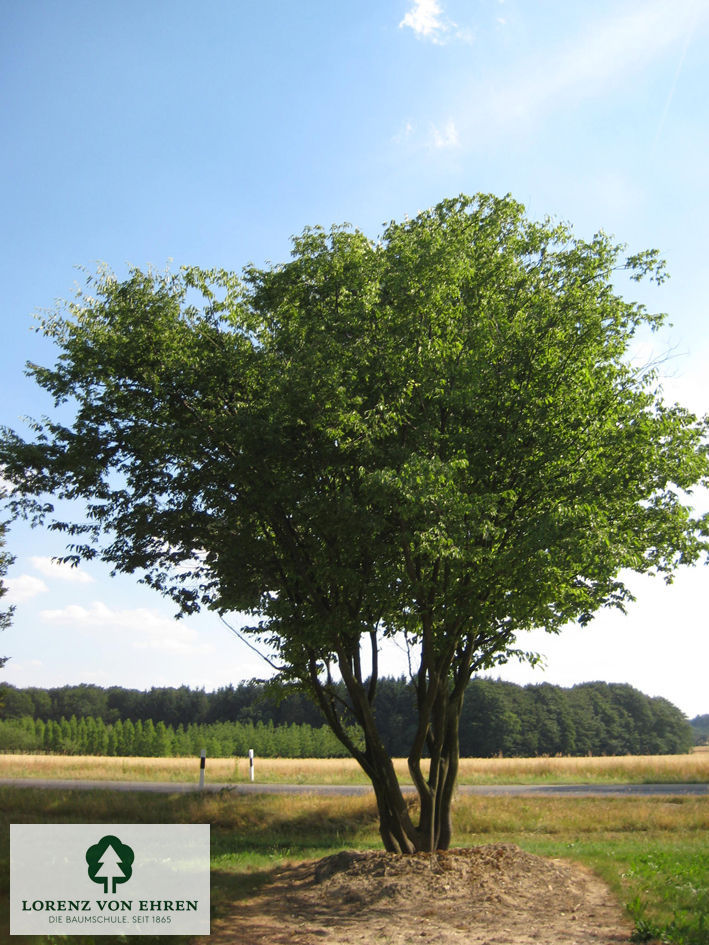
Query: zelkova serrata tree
{"points": [[437, 435]]}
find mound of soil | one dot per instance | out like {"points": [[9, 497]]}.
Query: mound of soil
{"points": [[490, 895]]}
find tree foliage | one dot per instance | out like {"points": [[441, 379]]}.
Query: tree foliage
{"points": [[436, 435], [5, 562], [700, 726], [498, 718], [148, 739]]}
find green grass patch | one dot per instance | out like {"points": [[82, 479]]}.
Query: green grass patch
{"points": [[653, 852], [673, 901]]}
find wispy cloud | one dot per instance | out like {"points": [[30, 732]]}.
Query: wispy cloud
{"points": [[63, 572], [22, 588], [605, 54], [445, 137], [140, 628], [435, 136], [406, 130], [690, 27], [428, 21]]}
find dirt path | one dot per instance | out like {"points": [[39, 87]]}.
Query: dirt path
{"points": [[491, 895]]}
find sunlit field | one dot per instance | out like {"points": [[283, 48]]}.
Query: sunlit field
{"points": [[637, 769], [653, 852]]}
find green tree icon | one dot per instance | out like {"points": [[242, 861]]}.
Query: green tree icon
{"points": [[110, 862]]}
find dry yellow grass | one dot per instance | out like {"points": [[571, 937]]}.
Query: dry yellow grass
{"points": [[503, 817], [638, 769], [628, 768], [92, 768]]}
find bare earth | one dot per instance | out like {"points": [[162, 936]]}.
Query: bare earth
{"points": [[490, 895]]}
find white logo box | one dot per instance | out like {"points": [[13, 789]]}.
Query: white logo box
{"points": [[109, 879]]}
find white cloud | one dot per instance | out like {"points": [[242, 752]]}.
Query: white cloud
{"points": [[445, 137], [141, 628], [424, 18], [22, 588], [427, 20], [63, 572], [608, 53]]}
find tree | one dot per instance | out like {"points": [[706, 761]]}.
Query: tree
{"points": [[700, 728], [41, 703], [672, 733], [5, 562], [83, 700], [490, 724], [436, 435], [15, 702], [162, 741]]}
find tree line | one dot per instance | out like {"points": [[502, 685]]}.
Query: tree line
{"points": [[700, 726], [498, 718], [91, 736]]}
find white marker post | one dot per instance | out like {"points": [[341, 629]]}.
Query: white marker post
{"points": [[251, 763], [202, 762]]}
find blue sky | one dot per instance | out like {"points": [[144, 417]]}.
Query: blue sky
{"points": [[154, 132]]}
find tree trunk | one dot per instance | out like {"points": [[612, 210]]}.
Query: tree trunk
{"points": [[397, 829], [446, 788], [439, 710], [436, 792]]}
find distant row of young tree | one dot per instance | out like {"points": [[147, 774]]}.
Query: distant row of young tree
{"points": [[90, 736], [498, 718]]}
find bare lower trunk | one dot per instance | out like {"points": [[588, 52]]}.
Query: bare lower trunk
{"points": [[397, 829], [436, 793], [439, 705]]}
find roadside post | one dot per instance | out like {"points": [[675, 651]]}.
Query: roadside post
{"points": [[202, 762], [251, 763]]}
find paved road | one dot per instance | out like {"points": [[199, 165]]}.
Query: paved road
{"points": [[529, 790]]}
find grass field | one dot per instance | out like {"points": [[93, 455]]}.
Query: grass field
{"points": [[654, 852], [647, 769]]}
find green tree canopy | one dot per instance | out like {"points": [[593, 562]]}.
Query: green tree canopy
{"points": [[5, 562], [437, 434]]}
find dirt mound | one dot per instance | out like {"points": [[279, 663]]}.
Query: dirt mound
{"points": [[490, 895]]}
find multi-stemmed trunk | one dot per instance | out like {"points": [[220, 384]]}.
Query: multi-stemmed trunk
{"points": [[440, 703], [435, 792]]}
